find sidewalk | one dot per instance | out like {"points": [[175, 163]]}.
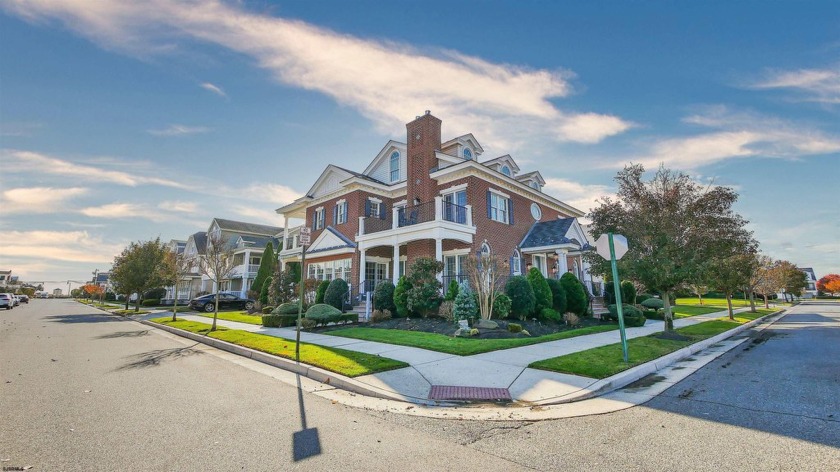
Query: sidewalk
{"points": [[505, 369]]}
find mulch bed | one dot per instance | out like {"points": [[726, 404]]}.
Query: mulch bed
{"points": [[441, 326]]}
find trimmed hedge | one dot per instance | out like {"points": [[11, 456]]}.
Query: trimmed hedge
{"points": [[633, 317], [286, 309], [323, 314], [266, 310], [522, 299], [278, 321], [550, 314], [336, 294], [654, 303], [151, 302]]}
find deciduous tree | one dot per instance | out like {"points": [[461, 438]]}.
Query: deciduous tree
{"points": [[673, 226], [829, 283], [217, 263], [172, 269], [484, 271], [135, 270]]}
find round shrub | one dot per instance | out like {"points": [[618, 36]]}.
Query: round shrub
{"points": [[515, 328], [401, 292], [640, 298], [465, 306], [267, 310], [383, 297], [542, 292], [521, 295], [501, 305], [558, 295], [322, 314], [151, 302], [278, 321], [654, 303], [550, 314], [575, 296], [633, 317], [286, 309], [380, 315], [321, 291], [336, 294]]}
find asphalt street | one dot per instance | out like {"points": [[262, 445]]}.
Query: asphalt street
{"points": [[83, 390]]}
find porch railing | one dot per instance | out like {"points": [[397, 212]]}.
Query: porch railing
{"points": [[415, 214], [437, 210]]}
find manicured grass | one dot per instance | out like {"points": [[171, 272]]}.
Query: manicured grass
{"points": [[457, 346], [682, 311], [604, 361], [340, 361], [716, 302], [240, 316]]}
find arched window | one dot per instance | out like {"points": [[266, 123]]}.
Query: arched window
{"points": [[467, 153], [485, 249], [395, 166], [516, 263], [506, 170], [535, 185]]}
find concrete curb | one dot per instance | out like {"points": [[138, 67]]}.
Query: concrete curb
{"points": [[622, 379], [320, 375]]}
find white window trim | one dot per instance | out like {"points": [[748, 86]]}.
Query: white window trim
{"points": [[544, 264], [456, 252], [339, 202], [499, 193], [507, 206], [453, 189], [374, 200]]}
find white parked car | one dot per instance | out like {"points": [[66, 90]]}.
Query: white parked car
{"points": [[7, 301]]}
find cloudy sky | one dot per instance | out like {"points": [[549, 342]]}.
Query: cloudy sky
{"points": [[125, 121]]}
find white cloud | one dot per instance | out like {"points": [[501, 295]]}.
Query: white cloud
{"points": [[38, 199], [583, 197], [256, 215], [818, 85], [118, 211], [179, 130], [44, 164], [736, 135], [72, 246], [273, 194], [178, 206], [387, 82], [213, 88]]}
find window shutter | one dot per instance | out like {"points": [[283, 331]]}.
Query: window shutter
{"points": [[335, 215], [489, 213], [511, 265], [510, 210], [314, 219], [382, 211], [367, 207]]}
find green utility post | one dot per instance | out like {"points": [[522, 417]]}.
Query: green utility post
{"points": [[618, 303], [305, 232]]}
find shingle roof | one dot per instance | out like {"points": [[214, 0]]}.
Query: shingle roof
{"points": [[360, 175], [548, 233], [260, 241], [200, 239], [252, 228]]}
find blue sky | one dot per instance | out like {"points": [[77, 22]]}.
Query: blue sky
{"points": [[128, 121]]}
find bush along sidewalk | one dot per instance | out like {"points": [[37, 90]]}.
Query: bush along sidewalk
{"points": [[340, 361], [605, 361]]}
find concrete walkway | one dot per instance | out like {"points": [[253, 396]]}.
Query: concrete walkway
{"points": [[497, 369]]}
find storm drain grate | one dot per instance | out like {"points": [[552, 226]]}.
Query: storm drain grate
{"points": [[449, 392]]}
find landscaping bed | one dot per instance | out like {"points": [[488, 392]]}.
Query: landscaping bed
{"points": [[436, 334]]}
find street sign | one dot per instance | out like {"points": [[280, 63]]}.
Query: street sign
{"points": [[602, 246], [305, 234]]}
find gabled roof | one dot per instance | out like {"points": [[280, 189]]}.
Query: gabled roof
{"points": [[466, 138], [503, 160], [258, 241], [248, 228], [384, 153], [810, 272], [547, 233], [200, 239], [535, 175], [330, 239]]}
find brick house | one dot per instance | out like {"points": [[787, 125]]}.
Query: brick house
{"points": [[430, 198]]}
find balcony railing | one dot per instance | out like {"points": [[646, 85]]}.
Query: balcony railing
{"points": [[437, 210]]}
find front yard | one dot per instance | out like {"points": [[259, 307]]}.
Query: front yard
{"points": [[604, 361]]}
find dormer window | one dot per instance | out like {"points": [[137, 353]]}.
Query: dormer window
{"points": [[468, 154], [535, 185], [506, 171], [395, 166]]}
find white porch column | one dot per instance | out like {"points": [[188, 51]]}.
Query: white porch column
{"points": [[395, 212], [361, 225], [562, 263], [438, 208], [362, 252], [439, 255], [395, 276], [285, 233], [468, 209]]}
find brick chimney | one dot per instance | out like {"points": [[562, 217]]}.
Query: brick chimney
{"points": [[423, 138]]}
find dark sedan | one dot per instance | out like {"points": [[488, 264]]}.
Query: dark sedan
{"points": [[226, 301]]}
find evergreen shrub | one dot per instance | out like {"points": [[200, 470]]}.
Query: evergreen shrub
{"points": [[522, 299], [321, 291], [542, 292], [336, 293], [575, 295], [383, 297], [558, 295]]}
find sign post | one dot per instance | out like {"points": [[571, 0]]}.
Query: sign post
{"points": [[612, 247], [304, 239]]}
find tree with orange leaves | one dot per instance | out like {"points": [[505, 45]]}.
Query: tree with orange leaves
{"points": [[829, 284]]}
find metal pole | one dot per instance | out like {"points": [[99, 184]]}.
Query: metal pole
{"points": [[618, 307], [300, 303]]}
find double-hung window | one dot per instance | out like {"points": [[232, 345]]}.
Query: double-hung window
{"points": [[375, 208], [341, 213], [319, 219], [454, 206], [394, 166], [499, 208]]}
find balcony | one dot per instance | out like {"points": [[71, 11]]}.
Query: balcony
{"points": [[431, 220]]}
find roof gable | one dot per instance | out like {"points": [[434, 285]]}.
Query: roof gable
{"points": [[384, 154], [464, 140], [559, 232], [497, 163], [244, 227], [330, 239]]}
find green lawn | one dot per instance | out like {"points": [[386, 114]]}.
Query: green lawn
{"points": [[240, 316], [604, 361], [340, 361], [717, 302], [682, 311], [457, 346]]}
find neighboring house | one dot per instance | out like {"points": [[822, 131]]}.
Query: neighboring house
{"points": [[248, 241], [429, 198], [811, 287], [178, 246], [5, 278], [103, 279]]}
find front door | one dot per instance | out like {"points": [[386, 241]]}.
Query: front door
{"points": [[375, 272]]}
